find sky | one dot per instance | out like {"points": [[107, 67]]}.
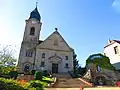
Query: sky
{"points": [[86, 25]]}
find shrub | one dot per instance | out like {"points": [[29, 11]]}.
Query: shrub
{"points": [[38, 75], [33, 72], [35, 84], [45, 73], [100, 60], [9, 84], [13, 74]]}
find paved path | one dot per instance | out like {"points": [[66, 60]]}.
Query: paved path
{"points": [[101, 88]]}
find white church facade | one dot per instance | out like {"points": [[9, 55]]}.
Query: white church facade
{"points": [[53, 54]]}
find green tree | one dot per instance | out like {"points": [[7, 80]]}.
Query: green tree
{"points": [[75, 62], [100, 60], [7, 61], [6, 56]]}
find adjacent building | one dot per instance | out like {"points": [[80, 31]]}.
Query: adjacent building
{"points": [[112, 50]]}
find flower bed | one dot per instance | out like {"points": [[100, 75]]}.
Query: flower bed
{"points": [[10, 84]]}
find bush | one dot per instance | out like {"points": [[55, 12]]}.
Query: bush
{"points": [[100, 60], [33, 72], [35, 84], [9, 84], [38, 75], [13, 74], [45, 73], [72, 74]]}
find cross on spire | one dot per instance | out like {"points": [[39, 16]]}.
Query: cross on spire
{"points": [[36, 3]]}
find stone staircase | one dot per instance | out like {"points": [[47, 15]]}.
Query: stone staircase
{"points": [[65, 81]]}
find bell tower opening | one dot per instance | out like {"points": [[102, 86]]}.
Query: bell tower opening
{"points": [[32, 31]]}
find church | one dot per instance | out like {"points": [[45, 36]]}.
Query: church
{"points": [[52, 54]]}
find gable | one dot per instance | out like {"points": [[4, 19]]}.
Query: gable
{"points": [[112, 42], [54, 42]]}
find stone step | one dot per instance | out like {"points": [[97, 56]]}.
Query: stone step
{"points": [[70, 83]]}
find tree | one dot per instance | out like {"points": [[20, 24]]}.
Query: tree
{"points": [[6, 57], [75, 62], [7, 61], [100, 60]]}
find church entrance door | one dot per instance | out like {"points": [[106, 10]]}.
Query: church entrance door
{"points": [[54, 68]]}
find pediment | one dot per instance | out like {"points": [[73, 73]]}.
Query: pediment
{"points": [[55, 59], [54, 42]]}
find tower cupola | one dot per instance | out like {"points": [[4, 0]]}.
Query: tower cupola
{"points": [[35, 14]]}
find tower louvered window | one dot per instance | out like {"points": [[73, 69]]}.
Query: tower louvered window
{"points": [[32, 31]]}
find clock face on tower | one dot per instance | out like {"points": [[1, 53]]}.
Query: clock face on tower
{"points": [[33, 22]]}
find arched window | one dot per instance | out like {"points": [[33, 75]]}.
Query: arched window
{"points": [[66, 65], [32, 31], [43, 55], [29, 53], [26, 68]]}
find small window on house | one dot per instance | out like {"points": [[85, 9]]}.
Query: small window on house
{"points": [[43, 55], [116, 50], [66, 65], [29, 53], [42, 64], [32, 31], [66, 57]]}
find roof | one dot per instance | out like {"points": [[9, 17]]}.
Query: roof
{"points": [[117, 41], [40, 41], [35, 14], [60, 36], [112, 42]]}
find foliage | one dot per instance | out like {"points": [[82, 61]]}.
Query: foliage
{"points": [[103, 62], [47, 80], [5, 70], [75, 62], [13, 74], [45, 73], [35, 84], [74, 75], [6, 56], [81, 70], [9, 84], [33, 72], [7, 61], [38, 75]]}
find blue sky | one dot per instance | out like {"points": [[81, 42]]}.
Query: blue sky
{"points": [[86, 25]]}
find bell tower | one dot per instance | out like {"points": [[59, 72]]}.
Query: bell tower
{"points": [[30, 41]]}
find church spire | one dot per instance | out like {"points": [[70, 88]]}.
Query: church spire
{"points": [[35, 14]]}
